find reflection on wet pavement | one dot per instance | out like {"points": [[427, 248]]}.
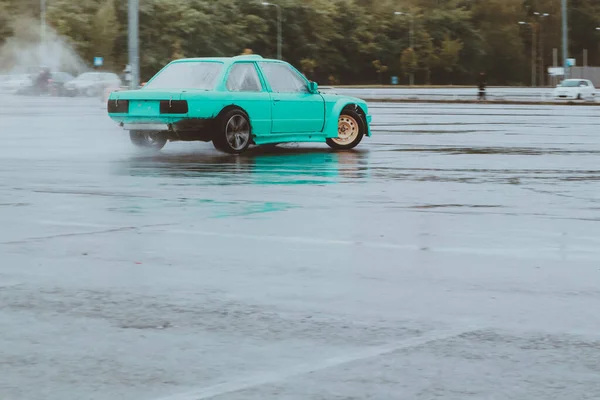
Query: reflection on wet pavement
{"points": [[282, 165]]}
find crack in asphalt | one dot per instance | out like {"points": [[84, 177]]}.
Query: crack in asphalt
{"points": [[64, 235]]}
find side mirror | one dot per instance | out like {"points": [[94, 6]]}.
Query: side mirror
{"points": [[313, 87]]}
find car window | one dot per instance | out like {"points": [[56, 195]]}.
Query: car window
{"points": [[283, 79], [243, 78], [187, 75]]}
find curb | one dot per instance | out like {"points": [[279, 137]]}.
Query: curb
{"points": [[500, 102]]}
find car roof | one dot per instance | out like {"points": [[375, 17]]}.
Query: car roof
{"points": [[226, 60]]}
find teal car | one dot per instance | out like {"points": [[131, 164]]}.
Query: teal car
{"points": [[235, 103]]}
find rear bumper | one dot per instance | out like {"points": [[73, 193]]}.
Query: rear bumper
{"points": [[146, 127], [165, 124]]}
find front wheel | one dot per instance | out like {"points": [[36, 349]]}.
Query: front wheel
{"points": [[148, 140], [235, 133], [351, 129]]}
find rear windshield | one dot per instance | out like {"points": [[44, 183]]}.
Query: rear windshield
{"points": [[187, 75]]}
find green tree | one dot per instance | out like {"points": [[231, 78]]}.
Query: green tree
{"points": [[409, 61], [308, 66], [105, 30], [380, 68], [5, 28], [450, 53], [454, 39], [429, 58]]}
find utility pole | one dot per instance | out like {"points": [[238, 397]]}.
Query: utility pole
{"points": [[533, 51], [42, 28], [533, 57], [411, 39], [565, 37], [279, 28], [585, 63], [134, 48], [541, 16], [554, 64]]}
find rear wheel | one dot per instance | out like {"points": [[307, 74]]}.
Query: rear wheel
{"points": [[351, 129], [234, 134], [148, 140]]}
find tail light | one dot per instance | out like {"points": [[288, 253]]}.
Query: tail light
{"points": [[118, 106], [173, 107]]}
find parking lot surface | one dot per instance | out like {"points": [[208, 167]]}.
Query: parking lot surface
{"points": [[454, 255]]}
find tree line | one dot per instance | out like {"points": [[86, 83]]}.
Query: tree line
{"points": [[332, 41]]}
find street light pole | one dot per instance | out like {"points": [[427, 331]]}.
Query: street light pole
{"points": [[42, 24], [134, 48], [533, 52], [411, 39], [541, 40], [279, 28], [565, 37]]}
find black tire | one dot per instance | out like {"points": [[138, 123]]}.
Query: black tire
{"points": [[147, 140], [579, 96], [234, 132], [352, 120]]}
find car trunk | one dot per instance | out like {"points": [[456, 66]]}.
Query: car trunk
{"points": [[149, 103]]}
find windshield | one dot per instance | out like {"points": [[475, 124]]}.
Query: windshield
{"points": [[187, 75], [570, 83]]}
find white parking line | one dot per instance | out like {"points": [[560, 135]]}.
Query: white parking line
{"points": [[277, 376], [524, 252]]}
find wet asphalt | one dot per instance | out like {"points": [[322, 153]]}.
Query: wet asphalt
{"points": [[453, 255]]}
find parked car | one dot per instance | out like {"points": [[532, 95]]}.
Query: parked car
{"points": [[575, 89], [58, 82], [92, 84], [14, 83], [236, 102]]}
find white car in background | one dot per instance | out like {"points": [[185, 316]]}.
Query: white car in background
{"points": [[575, 89], [92, 84], [13, 83]]}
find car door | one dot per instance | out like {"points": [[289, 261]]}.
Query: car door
{"points": [[592, 90], [584, 89], [589, 89], [294, 108], [247, 92]]}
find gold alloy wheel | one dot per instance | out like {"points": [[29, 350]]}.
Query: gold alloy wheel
{"points": [[348, 130]]}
